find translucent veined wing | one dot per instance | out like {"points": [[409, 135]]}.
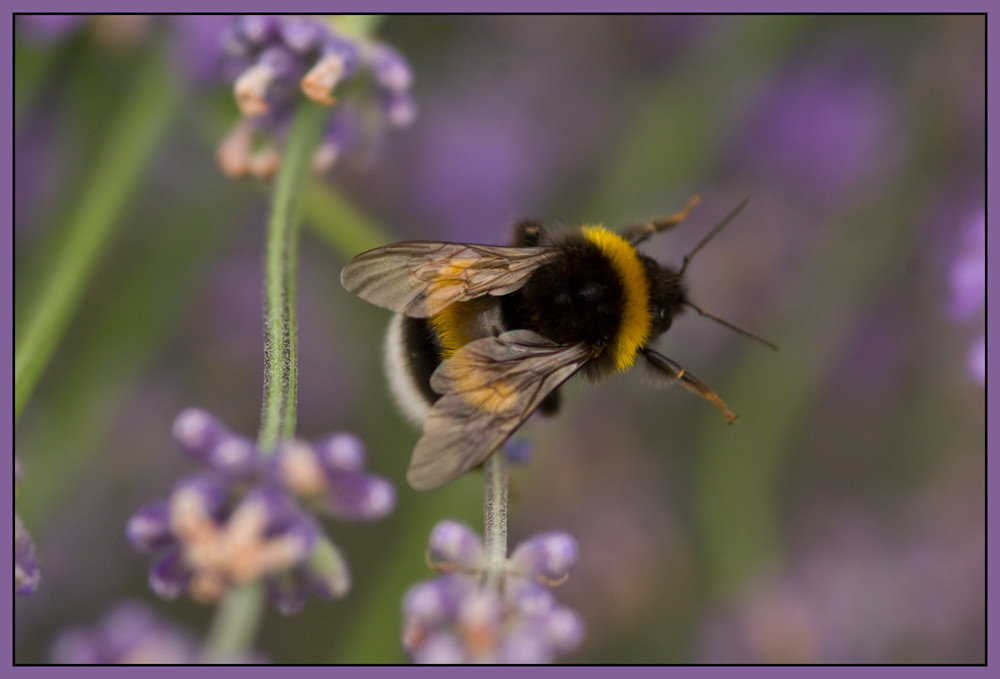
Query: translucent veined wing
{"points": [[489, 388], [420, 278]]}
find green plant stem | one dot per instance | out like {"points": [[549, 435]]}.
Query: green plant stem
{"points": [[495, 519], [238, 616], [131, 141], [281, 265], [235, 624]]}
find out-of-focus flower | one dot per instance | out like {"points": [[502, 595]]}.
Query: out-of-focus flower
{"points": [[273, 60], [330, 474], [194, 38], [823, 128], [130, 633], [26, 572], [470, 615], [248, 518], [858, 598], [968, 288]]}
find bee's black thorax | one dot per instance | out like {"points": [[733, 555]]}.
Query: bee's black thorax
{"points": [[575, 298], [579, 297]]}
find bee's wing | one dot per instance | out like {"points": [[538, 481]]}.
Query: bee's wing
{"points": [[421, 278], [490, 387]]}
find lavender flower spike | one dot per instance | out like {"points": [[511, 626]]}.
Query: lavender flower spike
{"points": [[247, 518], [459, 618], [129, 634], [26, 572], [274, 61]]}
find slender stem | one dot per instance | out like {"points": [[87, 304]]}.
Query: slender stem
{"points": [[132, 138], [238, 616], [235, 624], [280, 334], [495, 521]]}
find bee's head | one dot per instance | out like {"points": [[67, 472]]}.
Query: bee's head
{"points": [[667, 294]]}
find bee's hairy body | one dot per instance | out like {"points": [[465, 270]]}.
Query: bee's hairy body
{"points": [[485, 335], [598, 291]]}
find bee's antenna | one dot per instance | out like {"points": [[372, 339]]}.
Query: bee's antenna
{"points": [[729, 325], [713, 233]]}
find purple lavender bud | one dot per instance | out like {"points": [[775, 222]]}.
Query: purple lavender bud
{"points": [[125, 626], [327, 571], [76, 647], [202, 494], [564, 629], [268, 82], [129, 634], [549, 556], [968, 271], [346, 50], [197, 431], [303, 35], [341, 134], [399, 108], [271, 506], [440, 648], [480, 615], [430, 603], [287, 593], [26, 572], [362, 497], [456, 544], [258, 29], [390, 70], [524, 645], [169, 576], [341, 452], [530, 599], [203, 437], [303, 529], [149, 528], [518, 451], [232, 43], [234, 457]]}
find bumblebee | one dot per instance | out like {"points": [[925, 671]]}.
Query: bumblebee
{"points": [[485, 335]]}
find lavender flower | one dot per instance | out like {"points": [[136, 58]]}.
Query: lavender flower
{"points": [[129, 634], [968, 288], [247, 518], [271, 60], [26, 572], [858, 596], [461, 618]]}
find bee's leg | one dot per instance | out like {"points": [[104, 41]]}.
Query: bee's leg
{"points": [[637, 233], [550, 404], [529, 233], [671, 370]]}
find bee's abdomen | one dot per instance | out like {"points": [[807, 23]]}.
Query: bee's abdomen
{"points": [[411, 357]]}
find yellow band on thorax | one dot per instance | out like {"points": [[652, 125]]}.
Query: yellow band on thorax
{"points": [[637, 321]]}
